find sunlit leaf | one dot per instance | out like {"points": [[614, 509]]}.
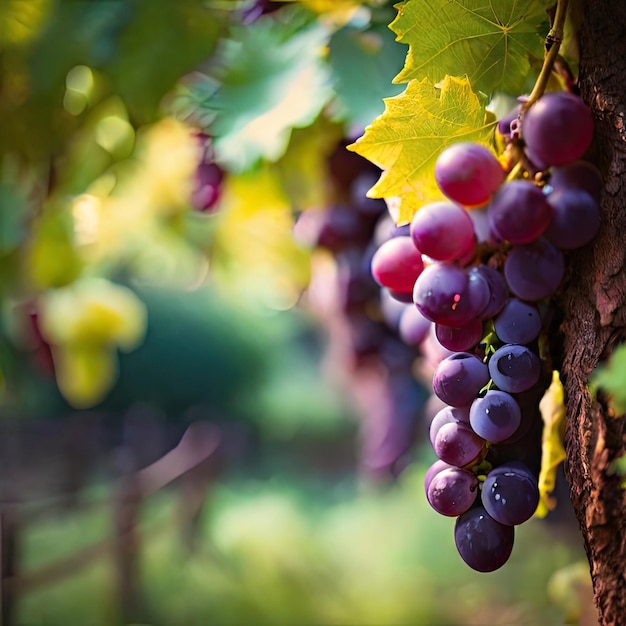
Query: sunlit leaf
{"points": [[51, 258], [363, 65], [552, 408], [492, 43], [21, 20], [254, 247], [85, 373], [274, 80], [415, 127], [93, 311]]}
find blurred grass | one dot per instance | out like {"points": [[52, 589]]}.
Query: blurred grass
{"points": [[274, 552]]}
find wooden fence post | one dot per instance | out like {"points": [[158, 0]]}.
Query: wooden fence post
{"points": [[9, 528], [127, 500]]}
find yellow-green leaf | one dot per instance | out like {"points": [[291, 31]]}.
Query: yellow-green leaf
{"points": [[552, 408], [493, 43], [85, 373], [415, 127]]}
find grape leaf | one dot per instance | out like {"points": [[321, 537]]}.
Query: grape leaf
{"points": [[363, 63], [552, 408], [254, 248], [274, 80], [415, 127], [610, 377], [492, 42]]}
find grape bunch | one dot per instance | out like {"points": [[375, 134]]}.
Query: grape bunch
{"points": [[208, 178], [481, 268], [364, 355]]}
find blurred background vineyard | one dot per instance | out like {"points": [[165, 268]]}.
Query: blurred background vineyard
{"points": [[139, 297]]}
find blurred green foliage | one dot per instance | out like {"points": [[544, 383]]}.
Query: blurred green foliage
{"points": [[279, 552]]}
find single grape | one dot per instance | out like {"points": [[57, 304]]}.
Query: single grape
{"points": [[460, 339], [519, 212], [397, 264], [392, 310], [207, 186], [451, 492], [557, 129], [482, 542], [459, 377], [449, 295], [456, 443], [413, 326], [334, 229], [504, 123], [447, 415], [498, 290], [534, 271], [578, 175], [495, 416], [405, 297], [514, 368], [575, 219], [443, 231], [510, 494], [468, 173], [433, 470], [517, 322]]}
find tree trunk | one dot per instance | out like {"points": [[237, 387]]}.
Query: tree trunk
{"points": [[594, 309]]}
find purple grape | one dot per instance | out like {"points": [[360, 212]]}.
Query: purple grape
{"points": [[397, 264], [460, 339], [495, 416], [443, 231], [447, 415], [458, 379], [519, 212], [433, 470], [514, 368], [482, 542], [557, 129], [449, 295], [510, 494], [575, 219], [468, 173], [341, 226], [534, 271], [391, 309], [207, 189], [498, 290], [578, 175], [456, 443], [405, 297], [451, 492], [413, 326], [504, 124], [372, 208], [517, 322]]}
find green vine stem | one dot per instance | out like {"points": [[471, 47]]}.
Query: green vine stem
{"points": [[553, 43]]}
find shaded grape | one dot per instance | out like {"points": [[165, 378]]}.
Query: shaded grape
{"points": [[459, 377], [510, 494], [482, 542], [534, 271], [514, 368], [495, 416]]}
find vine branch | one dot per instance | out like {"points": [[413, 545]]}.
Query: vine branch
{"points": [[553, 44]]}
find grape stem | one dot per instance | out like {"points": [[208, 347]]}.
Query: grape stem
{"points": [[553, 43]]}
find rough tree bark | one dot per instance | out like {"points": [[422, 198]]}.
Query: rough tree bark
{"points": [[594, 306]]}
